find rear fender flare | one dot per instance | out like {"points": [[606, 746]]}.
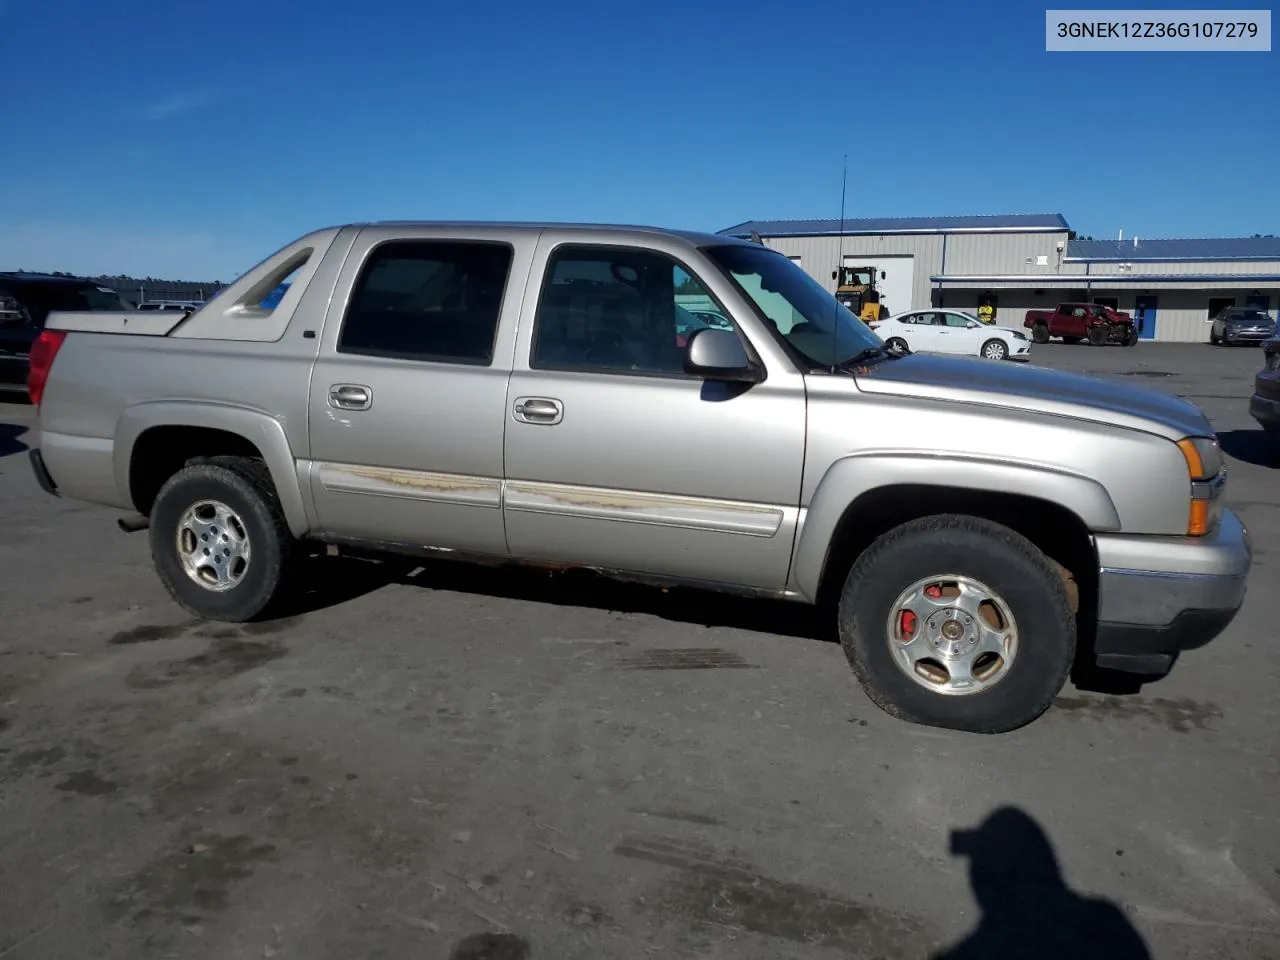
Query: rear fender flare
{"points": [[851, 478], [262, 430]]}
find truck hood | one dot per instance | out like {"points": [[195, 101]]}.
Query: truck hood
{"points": [[1053, 392]]}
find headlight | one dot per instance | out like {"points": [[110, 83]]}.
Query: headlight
{"points": [[1205, 471], [1019, 336]]}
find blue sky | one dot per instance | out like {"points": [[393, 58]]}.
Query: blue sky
{"points": [[190, 140]]}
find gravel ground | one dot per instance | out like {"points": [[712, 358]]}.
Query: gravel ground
{"points": [[439, 761]]}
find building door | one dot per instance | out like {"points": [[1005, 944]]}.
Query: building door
{"points": [[1261, 301], [1217, 305], [895, 279], [988, 307], [1144, 317]]}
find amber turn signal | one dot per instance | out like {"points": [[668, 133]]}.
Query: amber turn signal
{"points": [[1195, 465], [1198, 518]]}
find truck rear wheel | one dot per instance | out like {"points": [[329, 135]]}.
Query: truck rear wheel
{"points": [[1040, 333], [219, 540], [954, 621]]}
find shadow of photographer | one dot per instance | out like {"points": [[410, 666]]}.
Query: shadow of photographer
{"points": [[1027, 909]]}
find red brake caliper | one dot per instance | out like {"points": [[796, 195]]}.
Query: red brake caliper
{"points": [[908, 621]]}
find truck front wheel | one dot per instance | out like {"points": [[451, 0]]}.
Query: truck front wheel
{"points": [[954, 621], [219, 540]]}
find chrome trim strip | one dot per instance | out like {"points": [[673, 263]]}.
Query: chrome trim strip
{"points": [[1168, 575], [421, 485], [626, 506]]}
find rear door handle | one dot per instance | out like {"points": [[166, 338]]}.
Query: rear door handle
{"points": [[350, 396], [540, 410]]}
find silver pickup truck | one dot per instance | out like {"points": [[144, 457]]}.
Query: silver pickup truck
{"points": [[546, 394]]}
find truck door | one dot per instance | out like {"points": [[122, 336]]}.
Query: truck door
{"points": [[617, 458], [1074, 320], [407, 401]]}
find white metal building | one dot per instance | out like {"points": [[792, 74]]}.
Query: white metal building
{"points": [[1173, 288]]}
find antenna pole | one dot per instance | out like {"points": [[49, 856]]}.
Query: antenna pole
{"points": [[835, 319]]}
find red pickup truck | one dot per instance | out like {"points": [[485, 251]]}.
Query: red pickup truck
{"points": [[1073, 322]]}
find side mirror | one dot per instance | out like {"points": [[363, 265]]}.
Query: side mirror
{"points": [[974, 325], [719, 355]]}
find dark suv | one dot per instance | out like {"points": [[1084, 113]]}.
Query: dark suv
{"points": [[1241, 325], [26, 299]]}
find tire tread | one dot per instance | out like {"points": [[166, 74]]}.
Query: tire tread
{"points": [[962, 525], [257, 477]]}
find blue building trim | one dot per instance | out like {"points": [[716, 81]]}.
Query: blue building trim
{"points": [[1001, 223], [1088, 279]]}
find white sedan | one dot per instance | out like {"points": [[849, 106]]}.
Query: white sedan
{"points": [[952, 331]]}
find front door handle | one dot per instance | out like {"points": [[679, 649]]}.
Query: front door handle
{"points": [[540, 410], [350, 396]]}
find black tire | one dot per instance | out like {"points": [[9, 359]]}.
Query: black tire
{"points": [[1131, 337], [1040, 333], [897, 344], [1097, 336], [995, 555], [245, 487], [1002, 350]]}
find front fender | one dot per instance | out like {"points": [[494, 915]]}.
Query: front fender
{"points": [[852, 477], [262, 430]]}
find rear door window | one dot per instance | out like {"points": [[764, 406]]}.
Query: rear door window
{"points": [[428, 300]]}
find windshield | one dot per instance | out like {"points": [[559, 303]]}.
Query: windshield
{"points": [[817, 325]]}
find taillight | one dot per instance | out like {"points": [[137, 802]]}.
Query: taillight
{"points": [[43, 352]]}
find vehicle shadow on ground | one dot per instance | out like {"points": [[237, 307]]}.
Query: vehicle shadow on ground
{"points": [[1257, 447], [9, 442], [329, 581], [1027, 908]]}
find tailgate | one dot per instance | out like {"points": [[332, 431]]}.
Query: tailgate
{"points": [[142, 323]]}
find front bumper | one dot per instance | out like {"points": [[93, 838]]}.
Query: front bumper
{"points": [[1266, 410], [1246, 336], [1158, 596], [1264, 405]]}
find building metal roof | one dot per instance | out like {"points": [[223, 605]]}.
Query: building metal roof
{"points": [[1211, 248], [1004, 223]]}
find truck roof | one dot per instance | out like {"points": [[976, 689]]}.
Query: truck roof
{"points": [[14, 277], [700, 238]]}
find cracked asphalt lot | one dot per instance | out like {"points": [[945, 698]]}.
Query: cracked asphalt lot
{"points": [[437, 761]]}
